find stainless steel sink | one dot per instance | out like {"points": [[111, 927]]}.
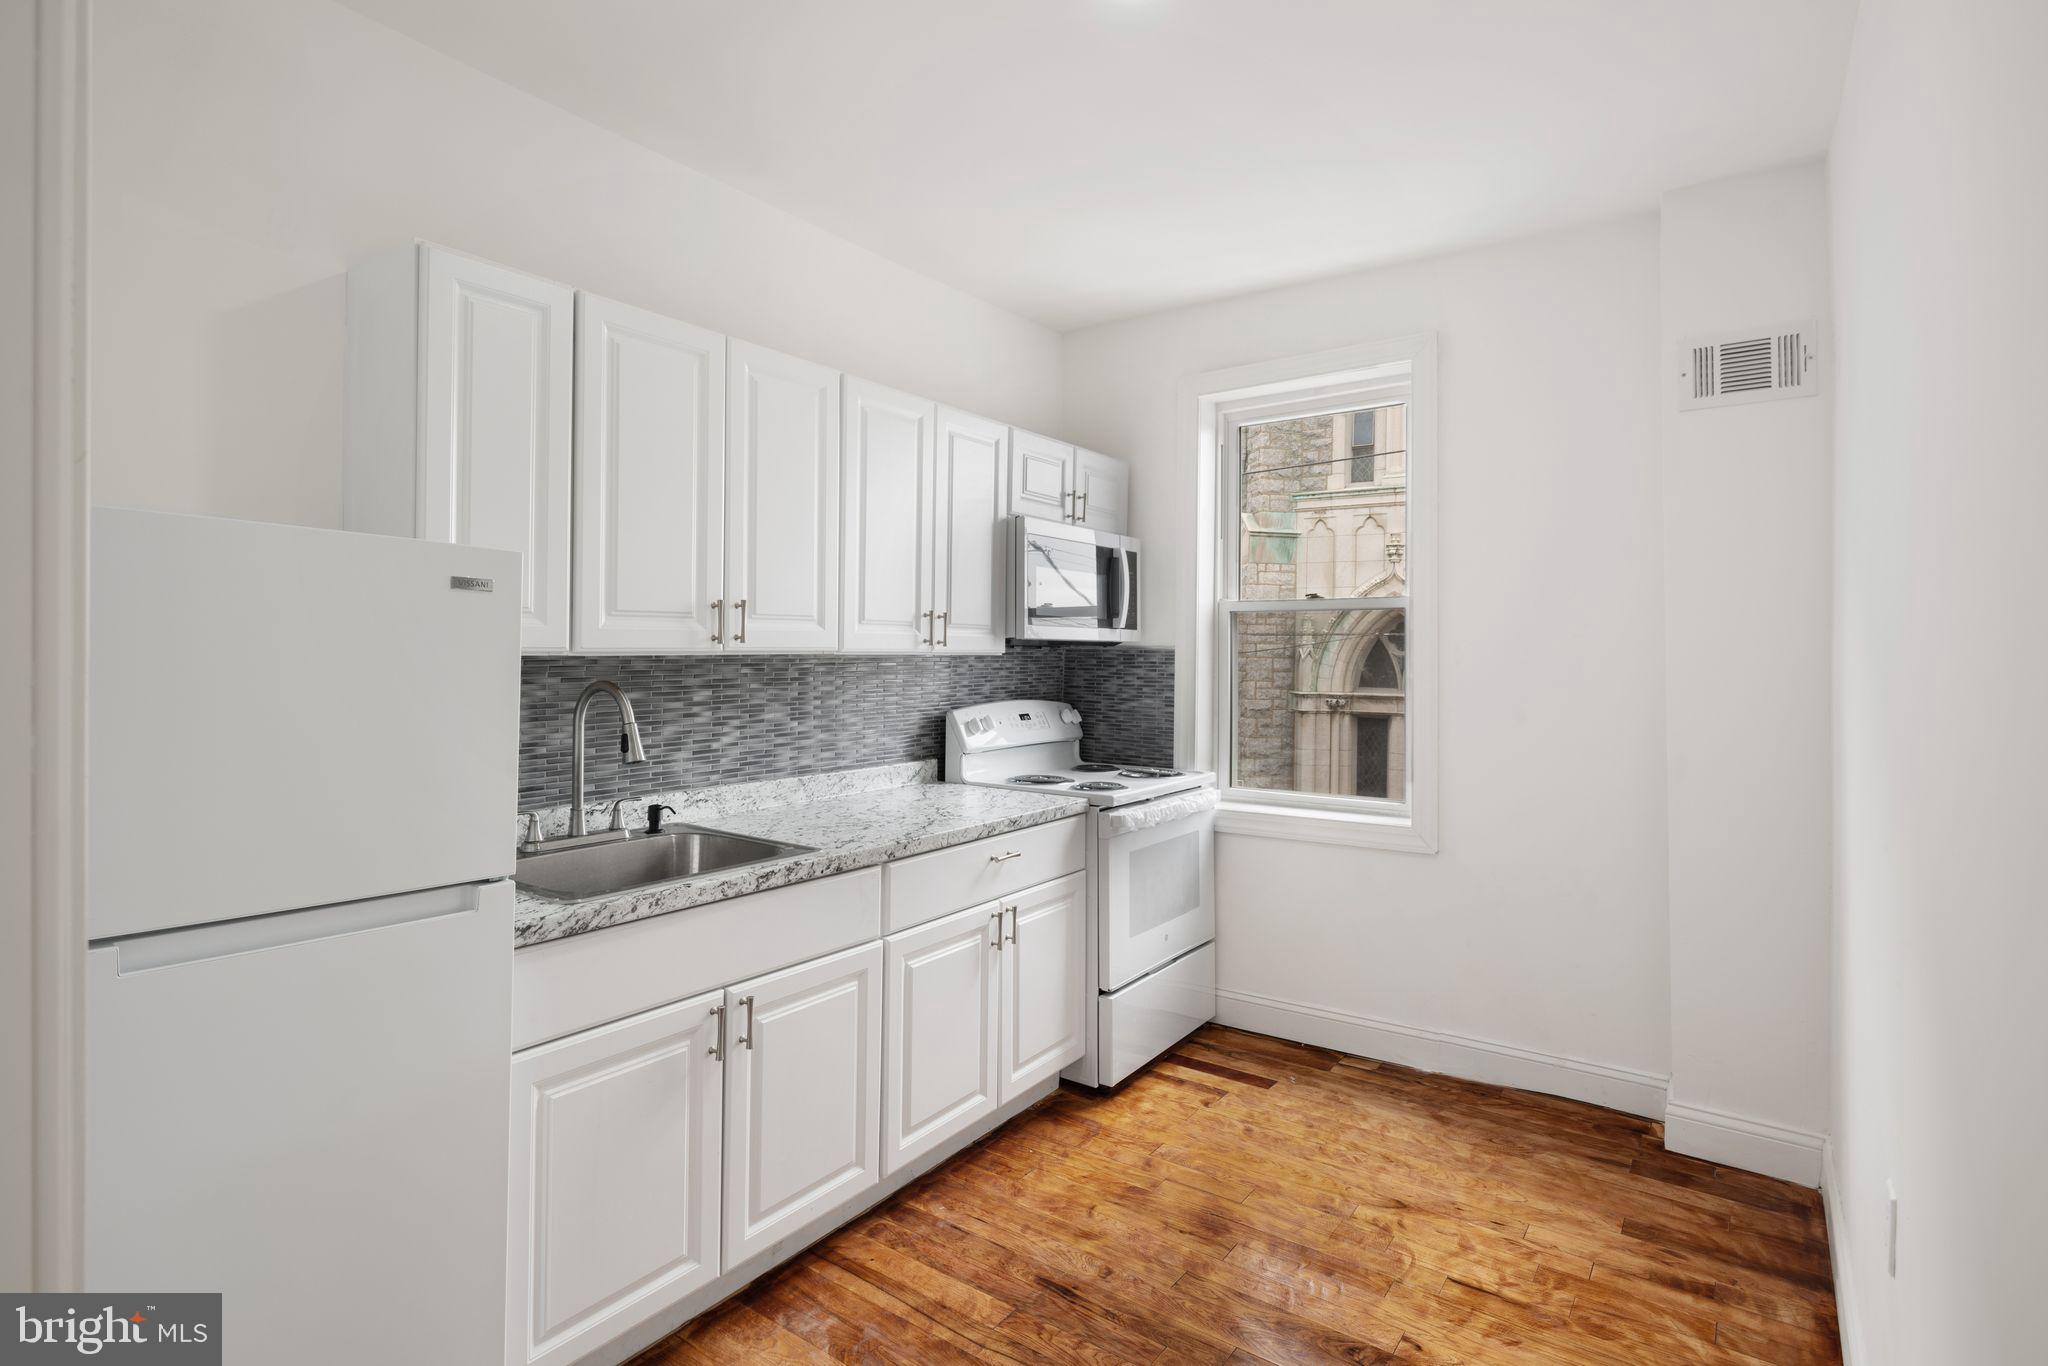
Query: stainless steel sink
{"points": [[674, 855]]}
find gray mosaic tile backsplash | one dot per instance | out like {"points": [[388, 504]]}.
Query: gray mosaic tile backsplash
{"points": [[1125, 697], [725, 719]]}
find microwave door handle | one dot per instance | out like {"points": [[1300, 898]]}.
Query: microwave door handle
{"points": [[1123, 589]]}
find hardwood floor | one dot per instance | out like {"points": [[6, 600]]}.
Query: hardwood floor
{"points": [[1248, 1199]]}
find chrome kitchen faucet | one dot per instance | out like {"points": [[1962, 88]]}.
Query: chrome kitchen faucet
{"points": [[629, 743]]}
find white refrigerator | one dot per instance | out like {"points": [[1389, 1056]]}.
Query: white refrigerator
{"points": [[302, 778]]}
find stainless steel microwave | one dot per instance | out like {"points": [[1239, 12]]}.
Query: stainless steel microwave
{"points": [[1070, 583]]}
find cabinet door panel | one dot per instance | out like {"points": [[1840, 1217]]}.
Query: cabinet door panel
{"points": [[1102, 491], [886, 489], [782, 501], [1045, 981], [615, 1167], [1041, 476], [968, 563], [804, 1096], [650, 479], [493, 465], [940, 1039]]}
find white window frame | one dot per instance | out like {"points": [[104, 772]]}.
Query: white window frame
{"points": [[1220, 404]]}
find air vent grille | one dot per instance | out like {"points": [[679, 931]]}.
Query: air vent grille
{"points": [[1748, 368]]}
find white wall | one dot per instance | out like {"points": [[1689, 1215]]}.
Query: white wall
{"points": [[1747, 494], [1941, 288], [17, 543], [248, 150], [1541, 923]]}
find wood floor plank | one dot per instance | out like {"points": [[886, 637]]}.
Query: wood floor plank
{"points": [[1250, 1200]]}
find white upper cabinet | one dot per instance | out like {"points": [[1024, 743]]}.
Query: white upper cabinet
{"points": [[782, 501], [712, 509], [615, 1179], [969, 568], [650, 480], [887, 521], [803, 1105], [1045, 981], [1052, 479], [457, 421], [1041, 476], [1102, 491], [940, 1038]]}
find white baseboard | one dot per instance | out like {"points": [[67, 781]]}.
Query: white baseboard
{"points": [[1847, 1306], [1731, 1140], [1432, 1050]]}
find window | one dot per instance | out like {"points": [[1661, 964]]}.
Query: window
{"points": [[1362, 447], [1321, 644]]}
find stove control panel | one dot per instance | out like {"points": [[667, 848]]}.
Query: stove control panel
{"points": [[1006, 725]]}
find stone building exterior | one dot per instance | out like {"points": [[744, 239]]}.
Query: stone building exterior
{"points": [[1320, 695]]}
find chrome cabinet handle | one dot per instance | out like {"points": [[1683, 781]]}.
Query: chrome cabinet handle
{"points": [[747, 1039], [926, 638], [1005, 858], [945, 631], [717, 1049], [1067, 505], [739, 637], [1013, 922], [1081, 505], [996, 920], [718, 631]]}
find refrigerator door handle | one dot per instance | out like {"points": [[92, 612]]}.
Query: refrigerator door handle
{"points": [[224, 939]]}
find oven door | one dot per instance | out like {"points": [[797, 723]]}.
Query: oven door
{"points": [[1155, 884], [1070, 583]]}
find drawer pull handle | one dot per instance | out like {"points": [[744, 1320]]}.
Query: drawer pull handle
{"points": [[1005, 858], [747, 1004], [997, 921], [718, 1039], [1013, 923]]}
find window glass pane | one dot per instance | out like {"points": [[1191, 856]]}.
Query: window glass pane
{"points": [[1324, 506], [1321, 702]]}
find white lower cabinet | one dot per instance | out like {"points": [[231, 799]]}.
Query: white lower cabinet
{"points": [[655, 1154], [803, 1111], [984, 1004], [940, 1041], [615, 1178], [1045, 982]]}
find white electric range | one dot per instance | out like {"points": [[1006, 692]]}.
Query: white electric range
{"points": [[1151, 875]]}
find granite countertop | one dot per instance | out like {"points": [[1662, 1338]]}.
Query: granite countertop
{"points": [[851, 821]]}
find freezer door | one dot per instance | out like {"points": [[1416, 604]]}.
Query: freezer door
{"points": [[306, 1113], [282, 717]]}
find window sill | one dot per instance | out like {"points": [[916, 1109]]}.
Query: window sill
{"points": [[1323, 827]]}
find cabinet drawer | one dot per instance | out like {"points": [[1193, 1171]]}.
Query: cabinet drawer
{"points": [[946, 880], [571, 984]]}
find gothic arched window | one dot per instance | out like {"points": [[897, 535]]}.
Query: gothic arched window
{"points": [[1378, 669]]}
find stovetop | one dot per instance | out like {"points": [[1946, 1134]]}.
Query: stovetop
{"points": [[1036, 746], [1104, 784]]}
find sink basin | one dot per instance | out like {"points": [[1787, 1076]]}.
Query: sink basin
{"points": [[643, 861]]}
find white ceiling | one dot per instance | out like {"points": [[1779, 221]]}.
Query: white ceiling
{"points": [[1082, 160]]}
